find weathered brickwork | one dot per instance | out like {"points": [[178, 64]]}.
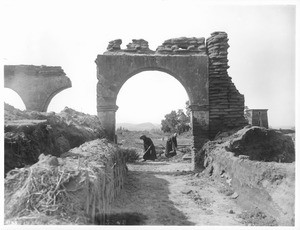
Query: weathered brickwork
{"points": [[226, 104], [215, 103]]}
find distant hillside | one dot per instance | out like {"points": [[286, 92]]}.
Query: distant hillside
{"points": [[138, 127]]}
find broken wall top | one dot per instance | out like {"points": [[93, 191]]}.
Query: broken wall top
{"points": [[174, 46], [32, 70]]}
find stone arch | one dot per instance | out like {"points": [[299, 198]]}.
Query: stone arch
{"points": [[36, 85], [114, 70], [199, 65], [51, 96]]}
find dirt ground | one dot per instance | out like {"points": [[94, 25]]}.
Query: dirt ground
{"points": [[168, 193]]}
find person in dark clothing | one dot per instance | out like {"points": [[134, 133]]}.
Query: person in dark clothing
{"points": [[149, 148], [171, 146]]}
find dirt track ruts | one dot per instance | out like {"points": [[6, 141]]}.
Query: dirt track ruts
{"points": [[168, 193]]}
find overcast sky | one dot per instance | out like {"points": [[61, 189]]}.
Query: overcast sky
{"points": [[70, 34]]}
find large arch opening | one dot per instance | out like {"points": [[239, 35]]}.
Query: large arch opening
{"points": [[59, 101], [143, 102], [148, 96], [12, 98], [190, 70]]}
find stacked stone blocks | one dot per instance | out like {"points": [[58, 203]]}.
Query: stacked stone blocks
{"points": [[137, 46], [182, 45], [226, 104]]}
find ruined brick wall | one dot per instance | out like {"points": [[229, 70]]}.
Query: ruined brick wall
{"points": [[201, 67], [226, 104]]}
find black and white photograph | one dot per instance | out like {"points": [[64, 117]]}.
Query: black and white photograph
{"points": [[149, 114]]}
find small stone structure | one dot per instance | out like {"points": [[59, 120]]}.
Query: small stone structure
{"points": [[36, 85], [201, 67], [258, 117]]}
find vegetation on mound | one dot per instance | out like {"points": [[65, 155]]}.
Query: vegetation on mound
{"points": [[39, 192], [263, 145], [131, 155]]}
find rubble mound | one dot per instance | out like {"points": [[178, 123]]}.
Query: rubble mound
{"points": [[114, 45], [259, 166], [69, 190], [138, 45], [30, 133], [263, 145]]}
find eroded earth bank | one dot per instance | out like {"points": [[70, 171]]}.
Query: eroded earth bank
{"points": [[60, 169]]}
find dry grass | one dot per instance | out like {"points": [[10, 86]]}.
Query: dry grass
{"points": [[131, 155], [79, 188], [39, 191]]}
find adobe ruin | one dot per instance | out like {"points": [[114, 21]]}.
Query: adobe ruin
{"points": [[200, 66]]}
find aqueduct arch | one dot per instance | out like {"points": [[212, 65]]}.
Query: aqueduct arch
{"points": [[199, 65], [36, 85], [11, 97]]}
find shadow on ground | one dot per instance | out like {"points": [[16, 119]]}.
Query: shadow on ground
{"points": [[150, 163], [147, 197]]}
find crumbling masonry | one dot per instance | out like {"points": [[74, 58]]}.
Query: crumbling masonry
{"points": [[36, 85], [215, 103], [226, 104]]}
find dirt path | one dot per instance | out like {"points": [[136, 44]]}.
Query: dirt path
{"points": [[168, 193]]}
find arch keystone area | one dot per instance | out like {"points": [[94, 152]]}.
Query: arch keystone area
{"points": [[36, 85], [199, 65]]}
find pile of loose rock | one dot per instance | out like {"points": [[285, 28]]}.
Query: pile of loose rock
{"points": [[114, 45], [182, 45], [136, 46]]}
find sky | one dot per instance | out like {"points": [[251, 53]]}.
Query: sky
{"points": [[71, 34]]}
